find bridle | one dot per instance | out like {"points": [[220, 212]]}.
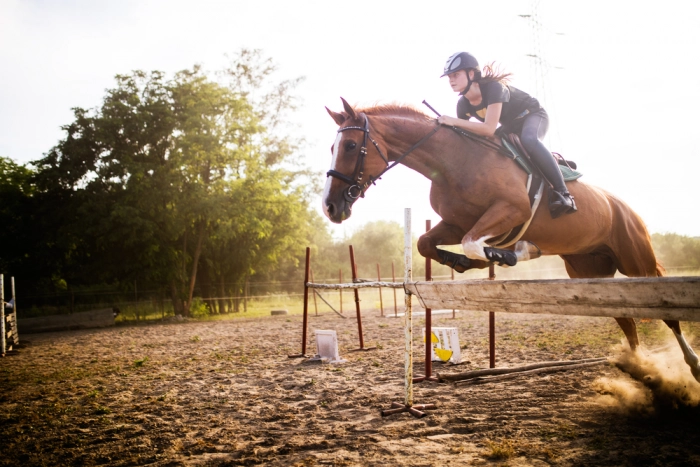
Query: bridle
{"points": [[357, 185]]}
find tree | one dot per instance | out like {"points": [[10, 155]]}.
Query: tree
{"points": [[677, 251], [167, 170], [16, 205]]}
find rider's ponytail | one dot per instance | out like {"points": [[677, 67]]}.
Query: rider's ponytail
{"points": [[492, 72]]}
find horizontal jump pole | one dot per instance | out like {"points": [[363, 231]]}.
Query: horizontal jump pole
{"points": [[356, 285], [673, 298]]}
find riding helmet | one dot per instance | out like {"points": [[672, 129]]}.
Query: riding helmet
{"points": [[460, 61]]}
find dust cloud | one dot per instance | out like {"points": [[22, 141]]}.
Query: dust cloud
{"points": [[660, 381]]}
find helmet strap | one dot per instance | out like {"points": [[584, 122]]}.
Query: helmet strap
{"points": [[469, 85], [469, 82]]}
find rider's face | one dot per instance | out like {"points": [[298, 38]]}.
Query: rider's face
{"points": [[458, 80]]}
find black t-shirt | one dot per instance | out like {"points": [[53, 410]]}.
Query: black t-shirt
{"points": [[515, 103]]}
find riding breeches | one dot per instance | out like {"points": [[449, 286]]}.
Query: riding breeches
{"points": [[535, 126]]}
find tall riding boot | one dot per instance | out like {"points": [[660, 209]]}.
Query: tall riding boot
{"points": [[560, 200]]}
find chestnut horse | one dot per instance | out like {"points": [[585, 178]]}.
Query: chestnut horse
{"points": [[480, 196]]}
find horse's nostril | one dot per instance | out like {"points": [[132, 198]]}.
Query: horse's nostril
{"points": [[331, 209]]}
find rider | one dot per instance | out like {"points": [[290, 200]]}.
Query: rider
{"points": [[490, 100]]}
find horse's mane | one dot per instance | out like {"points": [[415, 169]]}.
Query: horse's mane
{"points": [[398, 110]]}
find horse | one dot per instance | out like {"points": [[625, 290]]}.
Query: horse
{"points": [[480, 196]]}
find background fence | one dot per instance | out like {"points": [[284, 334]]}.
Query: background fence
{"points": [[258, 298]]}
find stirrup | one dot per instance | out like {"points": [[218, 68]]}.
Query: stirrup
{"points": [[559, 204]]}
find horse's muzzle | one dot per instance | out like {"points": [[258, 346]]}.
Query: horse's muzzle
{"points": [[337, 211]]}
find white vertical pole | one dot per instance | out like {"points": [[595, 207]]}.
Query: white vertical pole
{"points": [[408, 316], [2, 315], [15, 333]]}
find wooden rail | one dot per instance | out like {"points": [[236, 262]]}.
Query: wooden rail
{"points": [[674, 298]]}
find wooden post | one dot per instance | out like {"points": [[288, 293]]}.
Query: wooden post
{"points": [[315, 302], [408, 315], [306, 306], [340, 281], [3, 344], [453, 278], [393, 279], [428, 325], [246, 292], [353, 268], [381, 302], [15, 332], [407, 406], [492, 326]]}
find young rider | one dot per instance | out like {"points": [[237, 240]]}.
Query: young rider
{"points": [[488, 99]]}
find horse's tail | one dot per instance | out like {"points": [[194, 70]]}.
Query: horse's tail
{"points": [[660, 270], [631, 242]]}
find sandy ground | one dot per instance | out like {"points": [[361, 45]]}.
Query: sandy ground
{"points": [[225, 393]]}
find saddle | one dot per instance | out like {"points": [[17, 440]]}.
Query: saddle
{"points": [[512, 142]]}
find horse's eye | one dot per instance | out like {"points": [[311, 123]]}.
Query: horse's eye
{"points": [[349, 146]]}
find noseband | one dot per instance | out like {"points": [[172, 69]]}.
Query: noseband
{"points": [[357, 186]]}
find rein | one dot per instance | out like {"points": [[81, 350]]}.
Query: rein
{"points": [[357, 186], [483, 141]]}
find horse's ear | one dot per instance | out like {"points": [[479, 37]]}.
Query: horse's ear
{"points": [[348, 108], [338, 118]]}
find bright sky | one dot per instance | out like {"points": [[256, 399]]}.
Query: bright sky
{"points": [[622, 88]]}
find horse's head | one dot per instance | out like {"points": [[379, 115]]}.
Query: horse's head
{"points": [[353, 167]]}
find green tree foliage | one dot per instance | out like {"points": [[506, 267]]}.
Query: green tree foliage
{"points": [[171, 173], [677, 251], [16, 208]]}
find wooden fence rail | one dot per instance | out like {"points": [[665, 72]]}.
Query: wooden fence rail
{"points": [[674, 298]]}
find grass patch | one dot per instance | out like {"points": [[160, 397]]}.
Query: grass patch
{"points": [[140, 362], [102, 410], [499, 450]]}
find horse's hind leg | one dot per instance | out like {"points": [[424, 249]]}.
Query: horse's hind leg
{"points": [[445, 234], [636, 259], [688, 354], [599, 266]]}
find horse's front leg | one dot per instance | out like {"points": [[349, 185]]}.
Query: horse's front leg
{"points": [[688, 354], [445, 234], [498, 219]]}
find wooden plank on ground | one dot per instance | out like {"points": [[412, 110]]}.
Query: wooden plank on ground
{"points": [[83, 320], [657, 297]]}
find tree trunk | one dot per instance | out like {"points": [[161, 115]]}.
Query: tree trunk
{"points": [[222, 294], [195, 262], [205, 286], [177, 301]]}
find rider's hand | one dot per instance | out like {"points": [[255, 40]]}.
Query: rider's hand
{"points": [[445, 120]]}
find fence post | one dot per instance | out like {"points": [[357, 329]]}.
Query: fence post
{"points": [[381, 302], [393, 279], [453, 278], [15, 332], [340, 281], [3, 345], [492, 326], [245, 295], [306, 306], [315, 302]]}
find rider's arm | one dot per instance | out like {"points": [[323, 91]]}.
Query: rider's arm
{"points": [[485, 128]]}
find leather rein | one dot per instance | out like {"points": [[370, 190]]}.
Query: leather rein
{"points": [[357, 185]]}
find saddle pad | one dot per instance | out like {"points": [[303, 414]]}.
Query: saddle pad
{"points": [[525, 163], [569, 174]]}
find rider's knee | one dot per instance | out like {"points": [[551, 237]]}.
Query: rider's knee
{"points": [[529, 140]]}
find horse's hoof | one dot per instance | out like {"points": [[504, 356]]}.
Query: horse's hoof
{"points": [[459, 263], [502, 257]]}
